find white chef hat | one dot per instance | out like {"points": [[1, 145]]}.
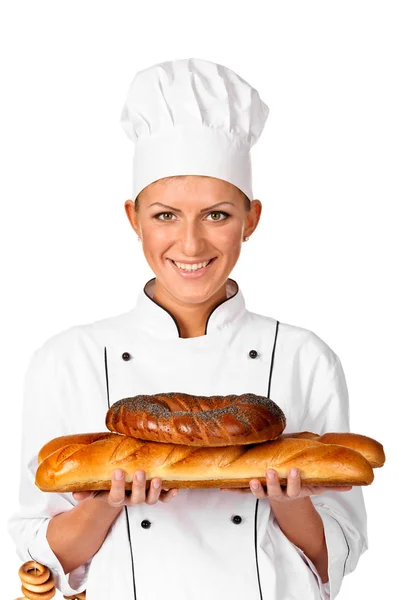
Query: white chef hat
{"points": [[192, 117]]}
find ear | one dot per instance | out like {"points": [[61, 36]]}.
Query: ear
{"points": [[132, 216], [253, 217]]}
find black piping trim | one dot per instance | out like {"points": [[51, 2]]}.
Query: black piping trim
{"points": [[256, 546], [126, 511], [131, 551], [347, 556], [157, 303], [170, 314], [106, 373], [272, 360], [257, 501]]}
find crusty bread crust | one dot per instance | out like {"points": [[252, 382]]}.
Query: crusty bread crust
{"points": [[368, 447], [86, 461], [179, 418]]}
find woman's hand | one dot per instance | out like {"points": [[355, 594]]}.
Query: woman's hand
{"points": [[293, 491], [117, 495]]}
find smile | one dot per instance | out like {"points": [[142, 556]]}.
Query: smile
{"points": [[192, 271]]}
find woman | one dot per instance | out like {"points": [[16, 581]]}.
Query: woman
{"points": [[193, 122]]}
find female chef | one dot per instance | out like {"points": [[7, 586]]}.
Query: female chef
{"points": [[193, 123]]}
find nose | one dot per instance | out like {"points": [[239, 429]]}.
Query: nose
{"points": [[192, 239]]}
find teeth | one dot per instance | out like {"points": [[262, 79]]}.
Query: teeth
{"points": [[191, 267]]}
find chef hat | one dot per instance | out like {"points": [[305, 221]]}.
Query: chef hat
{"points": [[192, 117]]}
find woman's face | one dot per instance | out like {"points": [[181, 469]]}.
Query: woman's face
{"points": [[178, 221]]}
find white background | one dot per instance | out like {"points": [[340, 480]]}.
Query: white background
{"points": [[324, 256]]}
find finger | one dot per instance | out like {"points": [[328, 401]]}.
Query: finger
{"points": [[317, 490], [237, 490], [294, 483], [138, 487], [274, 490], [338, 488], [166, 496], [257, 488], [81, 495], [116, 496], [154, 490], [323, 490]]}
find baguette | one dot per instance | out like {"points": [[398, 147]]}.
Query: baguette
{"points": [[368, 447], [83, 462]]}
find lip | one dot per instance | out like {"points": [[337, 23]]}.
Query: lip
{"points": [[192, 262], [195, 274]]}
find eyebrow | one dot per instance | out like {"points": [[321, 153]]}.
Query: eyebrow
{"points": [[179, 211]]}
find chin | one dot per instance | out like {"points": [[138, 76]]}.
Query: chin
{"points": [[195, 293]]}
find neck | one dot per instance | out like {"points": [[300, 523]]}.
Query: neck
{"points": [[191, 318]]}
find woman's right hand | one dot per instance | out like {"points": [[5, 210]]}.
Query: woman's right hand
{"points": [[117, 495]]}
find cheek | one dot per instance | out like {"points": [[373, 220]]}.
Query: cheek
{"points": [[156, 238], [228, 241], [154, 245]]}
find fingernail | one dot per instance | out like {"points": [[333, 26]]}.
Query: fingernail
{"points": [[254, 486], [118, 474], [271, 474], [294, 472], [140, 476], [156, 484]]}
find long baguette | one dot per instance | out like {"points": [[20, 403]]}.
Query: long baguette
{"points": [[86, 461], [368, 447]]}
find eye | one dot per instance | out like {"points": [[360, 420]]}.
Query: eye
{"points": [[219, 212], [164, 213]]}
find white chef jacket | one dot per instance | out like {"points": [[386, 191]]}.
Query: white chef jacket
{"points": [[204, 543]]}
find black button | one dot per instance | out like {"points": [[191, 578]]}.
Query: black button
{"points": [[253, 353], [236, 519], [145, 524], [126, 356]]}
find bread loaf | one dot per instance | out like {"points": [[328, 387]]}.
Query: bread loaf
{"points": [[86, 461], [368, 447], [178, 418]]}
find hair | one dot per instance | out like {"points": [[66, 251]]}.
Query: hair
{"points": [[247, 201]]}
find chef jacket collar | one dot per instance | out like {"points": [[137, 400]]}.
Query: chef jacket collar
{"points": [[158, 321]]}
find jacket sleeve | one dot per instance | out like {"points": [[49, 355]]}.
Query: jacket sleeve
{"points": [[46, 414], [343, 513]]}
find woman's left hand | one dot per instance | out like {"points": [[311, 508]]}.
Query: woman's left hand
{"points": [[293, 491]]}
